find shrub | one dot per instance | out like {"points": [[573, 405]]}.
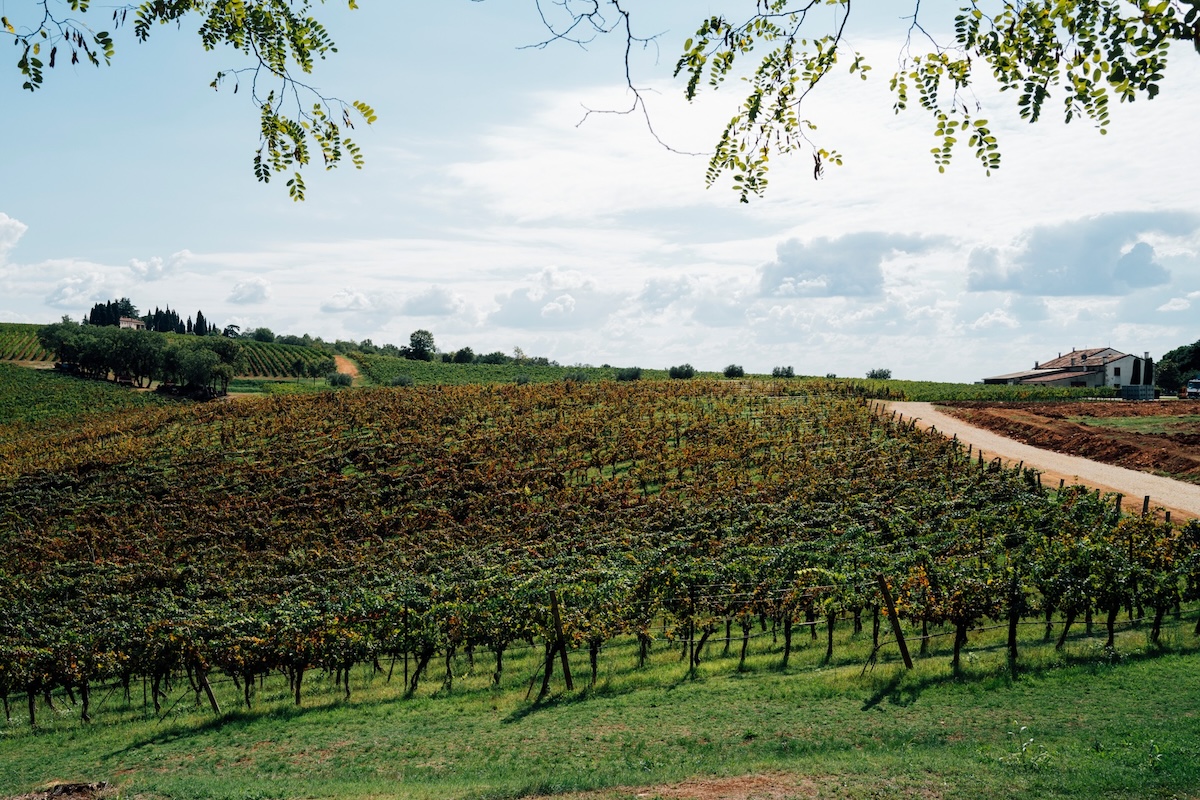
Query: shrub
{"points": [[629, 374], [682, 372], [879, 375], [522, 379], [783, 372], [575, 377], [339, 379], [402, 380], [734, 371]]}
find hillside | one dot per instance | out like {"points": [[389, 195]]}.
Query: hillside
{"points": [[689, 539]]}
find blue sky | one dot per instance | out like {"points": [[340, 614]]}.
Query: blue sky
{"points": [[487, 215]]}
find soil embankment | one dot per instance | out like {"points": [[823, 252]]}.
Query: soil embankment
{"points": [[1066, 450]]}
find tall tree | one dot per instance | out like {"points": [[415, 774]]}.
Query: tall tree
{"points": [[420, 346]]}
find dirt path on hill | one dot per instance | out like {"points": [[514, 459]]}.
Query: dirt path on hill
{"points": [[1181, 498], [346, 366]]}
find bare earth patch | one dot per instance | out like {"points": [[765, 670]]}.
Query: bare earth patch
{"points": [[769, 786], [70, 791], [346, 366]]}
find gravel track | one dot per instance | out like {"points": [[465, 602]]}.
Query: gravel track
{"points": [[1179, 497]]}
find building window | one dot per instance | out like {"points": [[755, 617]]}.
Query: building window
{"points": [[1116, 372]]}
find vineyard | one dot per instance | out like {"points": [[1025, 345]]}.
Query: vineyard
{"points": [[272, 360], [19, 342], [29, 396], [332, 530], [384, 371], [936, 392]]}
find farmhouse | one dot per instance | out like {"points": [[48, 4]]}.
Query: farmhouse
{"points": [[133, 323], [1090, 367]]}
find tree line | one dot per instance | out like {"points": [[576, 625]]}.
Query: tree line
{"points": [[202, 365], [110, 314]]}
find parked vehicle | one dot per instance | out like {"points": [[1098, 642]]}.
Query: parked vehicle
{"points": [[1193, 389]]}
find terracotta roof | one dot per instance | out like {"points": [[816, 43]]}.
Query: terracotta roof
{"points": [[1022, 375], [1057, 375], [1088, 356]]}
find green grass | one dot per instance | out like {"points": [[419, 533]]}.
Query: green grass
{"points": [[34, 395], [1081, 723], [1166, 424], [276, 386]]}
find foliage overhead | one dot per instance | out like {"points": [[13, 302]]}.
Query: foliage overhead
{"points": [[1080, 53], [280, 38]]}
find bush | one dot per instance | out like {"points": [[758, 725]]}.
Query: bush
{"points": [[682, 372], [629, 374], [522, 379], [734, 371], [879, 375], [339, 379], [783, 372], [575, 377], [402, 380]]}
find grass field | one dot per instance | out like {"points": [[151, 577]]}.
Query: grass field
{"points": [[33, 395], [1084, 722]]}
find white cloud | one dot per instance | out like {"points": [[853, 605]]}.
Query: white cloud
{"points": [[156, 268], [77, 290], [249, 292], [1101, 255], [11, 231], [436, 301], [349, 301], [558, 299], [845, 266]]}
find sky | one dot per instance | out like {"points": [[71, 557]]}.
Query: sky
{"points": [[490, 215]]}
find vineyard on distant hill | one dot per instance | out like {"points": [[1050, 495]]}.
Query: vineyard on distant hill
{"points": [[272, 360], [19, 342], [385, 370]]}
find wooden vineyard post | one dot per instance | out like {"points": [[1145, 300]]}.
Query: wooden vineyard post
{"points": [[1146, 506], [561, 643], [891, 609]]}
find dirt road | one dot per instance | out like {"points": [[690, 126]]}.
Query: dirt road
{"points": [[346, 366], [1181, 498]]}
